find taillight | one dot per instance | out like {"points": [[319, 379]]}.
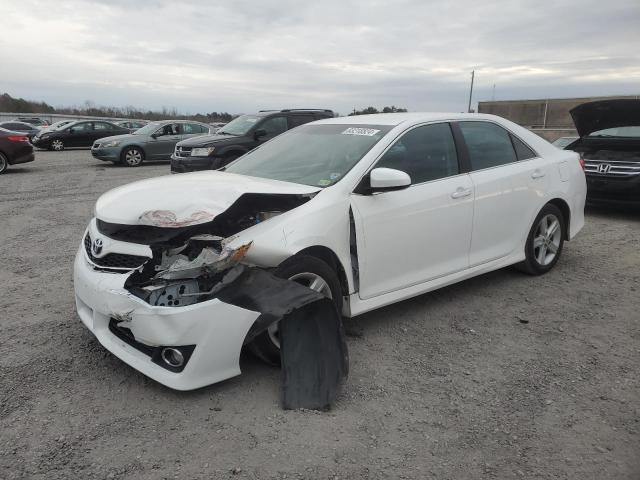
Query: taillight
{"points": [[582, 163], [17, 138]]}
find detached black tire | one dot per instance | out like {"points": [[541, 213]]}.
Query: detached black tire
{"points": [[132, 156], [306, 270], [545, 241], [4, 163]]}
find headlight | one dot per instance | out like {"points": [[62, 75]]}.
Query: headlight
{"points": [[112, 143], [202, 152]]}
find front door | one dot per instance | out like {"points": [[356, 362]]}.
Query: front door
{"points": [[166, 137], [80, 135], [423, 232]]}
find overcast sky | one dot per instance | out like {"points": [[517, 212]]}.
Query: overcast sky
{"points": [[242, 55]]}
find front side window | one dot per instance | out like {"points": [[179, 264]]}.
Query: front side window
{"points": [[274, 126], [317, 155], [240, 125], [169, 129], [489, 145], [425, 153]]}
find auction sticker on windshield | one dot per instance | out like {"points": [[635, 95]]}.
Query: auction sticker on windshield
{"points": [[368, 132]]}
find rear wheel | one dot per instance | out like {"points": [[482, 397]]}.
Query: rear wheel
{"points": [[57, 145], [545, 241], [4, 163], [132, 156], [310, 272]]}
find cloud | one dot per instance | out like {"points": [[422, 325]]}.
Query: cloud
{"points": [[242, 56]]}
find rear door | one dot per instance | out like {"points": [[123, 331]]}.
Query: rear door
{"points": [[508, 185], [103, 129]]}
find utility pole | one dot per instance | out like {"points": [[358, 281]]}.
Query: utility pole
{"points": [[493, 93], [473, 72]]}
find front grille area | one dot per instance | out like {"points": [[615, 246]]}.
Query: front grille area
{"points": [[614, 168], [116, 261], [183, 151]]}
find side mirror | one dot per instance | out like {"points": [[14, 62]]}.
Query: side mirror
{"points": [[71, 130], [261, 132], [154, 135], [387, 179]]}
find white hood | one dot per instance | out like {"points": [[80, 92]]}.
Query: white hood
{"points": [[186, 199]]}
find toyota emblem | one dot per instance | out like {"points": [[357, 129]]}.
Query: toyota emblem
{"points": [[96, 246]]}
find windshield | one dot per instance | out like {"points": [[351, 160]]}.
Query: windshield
{"points": [[148, 129], [240, 126], [627, 132], [316, 155]]}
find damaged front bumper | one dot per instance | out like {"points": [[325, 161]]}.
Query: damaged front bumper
{"points": [[212, 331]]}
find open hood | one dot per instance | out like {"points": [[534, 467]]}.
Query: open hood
{"points": [[185, 200], [593, 116]]}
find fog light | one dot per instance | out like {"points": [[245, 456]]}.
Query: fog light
{"points": [[172, 357]]}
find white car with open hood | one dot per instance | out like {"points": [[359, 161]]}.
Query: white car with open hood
{"points": [[367, 210]]}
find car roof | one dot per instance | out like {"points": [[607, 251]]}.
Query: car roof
{"points": [[394, 119]]}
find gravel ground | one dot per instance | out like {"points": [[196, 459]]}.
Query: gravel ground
{"points": [[502, 376]]}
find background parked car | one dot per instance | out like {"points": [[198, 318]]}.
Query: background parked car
{"points": [[77, 134], [155, 141], [25, 128], [609, 144], [238, 137], [14, 148], [132, 125], [38, 122]]}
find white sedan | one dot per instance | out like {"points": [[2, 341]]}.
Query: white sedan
{"points": [[367, 210]]}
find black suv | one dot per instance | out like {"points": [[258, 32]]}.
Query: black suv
{"points": [[237, 137]]}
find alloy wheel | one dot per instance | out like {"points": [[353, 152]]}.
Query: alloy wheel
{"points": [[546, 240], [3, 163], [57, 145], [133, 157], [308, 279]]}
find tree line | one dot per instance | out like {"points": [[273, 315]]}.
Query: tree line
{"points": [[89, 108], [370, 110]]}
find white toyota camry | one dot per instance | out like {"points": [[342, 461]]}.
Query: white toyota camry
{"points": [[367, 210]]}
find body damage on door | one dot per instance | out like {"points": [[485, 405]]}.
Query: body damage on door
{"points": [[197, 294]]}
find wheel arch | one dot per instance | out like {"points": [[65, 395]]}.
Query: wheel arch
{"points": [[139, 147], [329, 257], [563, 206]]}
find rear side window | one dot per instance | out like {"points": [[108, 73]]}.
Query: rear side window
{"points": [[297, 120], [523, 152], [102, 126], [425, 153], [82, 127], [489, 145]]}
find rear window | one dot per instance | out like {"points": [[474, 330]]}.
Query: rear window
{"points": [[624, 132]]}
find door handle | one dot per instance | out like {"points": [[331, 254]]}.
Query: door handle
{"points": [[461, 192], [537, 174]]}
